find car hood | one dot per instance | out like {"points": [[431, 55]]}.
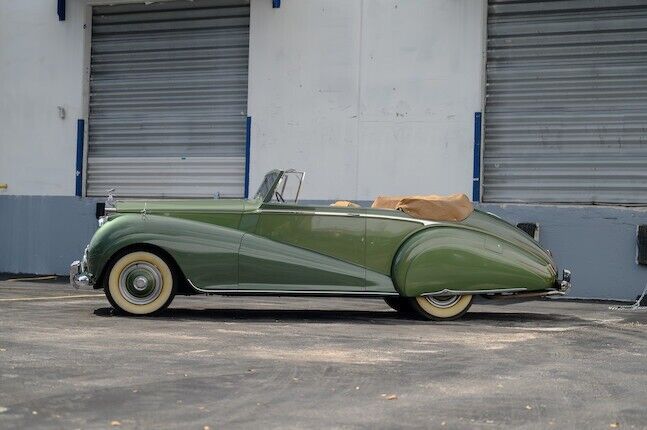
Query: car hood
{"points": [[180, 205]]}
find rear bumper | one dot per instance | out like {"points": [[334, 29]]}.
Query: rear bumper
{"points": [[559, 288], [563, 285], [79, 276]]}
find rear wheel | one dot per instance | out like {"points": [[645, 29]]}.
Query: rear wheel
{"points": [[399, 304], [140, 283], [441, 308]]}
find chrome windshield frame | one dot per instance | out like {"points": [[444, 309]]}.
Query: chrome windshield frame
{"points": [[281, 181]]}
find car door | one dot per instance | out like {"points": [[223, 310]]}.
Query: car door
{"points": [[302, 248]]}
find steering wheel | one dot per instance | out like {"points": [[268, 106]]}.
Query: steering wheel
{"points": [[279, 197]]}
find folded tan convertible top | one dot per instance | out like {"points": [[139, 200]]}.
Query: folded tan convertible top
{"points": [[345, 204], [455, 207]]}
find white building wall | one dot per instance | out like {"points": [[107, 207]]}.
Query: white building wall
{"points": [[368, 96], [41, 67]]}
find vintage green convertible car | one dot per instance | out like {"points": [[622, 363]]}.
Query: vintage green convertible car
{"points": [[146, 252]]}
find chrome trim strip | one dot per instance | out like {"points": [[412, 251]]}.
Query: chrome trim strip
{"points": [[288, 292], [495, 215], [530, 295], [320, 213], [446, 291], [345, 214]]}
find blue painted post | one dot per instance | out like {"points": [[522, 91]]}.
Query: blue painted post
{"points": [[80, 130], [276, 4], [476, 179], [60, 10], [248, 140]]}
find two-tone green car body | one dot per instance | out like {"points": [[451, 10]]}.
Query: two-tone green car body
{"points": [[145, 252]]}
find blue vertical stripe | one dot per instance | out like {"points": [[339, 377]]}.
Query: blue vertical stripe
{"points": [[80, 130], [476, 179], [60, 10], [248, 140]]}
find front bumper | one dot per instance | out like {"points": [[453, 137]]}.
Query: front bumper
{"points": [[79, 276]]}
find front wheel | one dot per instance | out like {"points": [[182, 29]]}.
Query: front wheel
{"points": [[140, 283], [441, 308]]}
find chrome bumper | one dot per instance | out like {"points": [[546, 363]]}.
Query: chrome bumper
{"points": [[79, 277], [564, 284], [560, 288]]}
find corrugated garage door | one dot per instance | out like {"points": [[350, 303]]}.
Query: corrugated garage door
{"points": [[168, 99], [566, 108]]}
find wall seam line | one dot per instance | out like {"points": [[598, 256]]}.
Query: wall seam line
{"points": [[359, 95]]}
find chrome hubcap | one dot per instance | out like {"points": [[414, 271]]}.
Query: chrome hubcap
{"points": [[140, 283], [443, 301]]}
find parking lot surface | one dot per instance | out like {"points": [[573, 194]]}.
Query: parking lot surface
{"points": [[66, 361]]}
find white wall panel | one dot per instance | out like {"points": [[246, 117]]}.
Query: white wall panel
{"points": [[368, 97], [41, 67], [303, 92], [420, 86], [321, 94]]}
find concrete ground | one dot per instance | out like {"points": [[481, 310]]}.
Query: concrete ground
{"points": [[213, 362]]}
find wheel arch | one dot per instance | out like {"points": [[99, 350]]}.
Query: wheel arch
{"points": [[205, 253], [183, 287]]}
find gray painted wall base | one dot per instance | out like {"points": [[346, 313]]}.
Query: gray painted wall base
{"points": [[598, 243], [43, 235]]}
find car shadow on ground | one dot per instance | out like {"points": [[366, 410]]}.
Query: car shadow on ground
{"points": [[336, 316]]}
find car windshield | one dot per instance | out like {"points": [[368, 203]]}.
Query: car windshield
{"points": [[267, 185], [280, 186]]}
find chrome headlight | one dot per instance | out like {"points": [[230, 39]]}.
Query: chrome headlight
{"points": [[102, 220]]}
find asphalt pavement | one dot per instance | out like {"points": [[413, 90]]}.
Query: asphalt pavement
{"points": [[67, 361]]}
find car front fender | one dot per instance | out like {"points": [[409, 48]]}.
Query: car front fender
{"points": [[206, 253]]}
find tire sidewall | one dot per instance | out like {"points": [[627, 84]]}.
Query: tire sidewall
{"points": [[430, 312], [119, 302]]}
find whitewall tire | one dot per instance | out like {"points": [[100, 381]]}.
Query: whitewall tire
{"points": [[140, 283], [442, 308]]}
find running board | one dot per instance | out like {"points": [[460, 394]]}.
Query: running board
{"points": [[298, 293]]}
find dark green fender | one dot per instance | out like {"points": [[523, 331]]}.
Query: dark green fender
{"points": [[206, 253], [465, 259]]}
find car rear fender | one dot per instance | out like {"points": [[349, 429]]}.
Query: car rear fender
{"points": [[462, 259]]}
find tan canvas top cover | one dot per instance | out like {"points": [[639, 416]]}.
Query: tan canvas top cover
{"points": [[455, 207], [345, 204]]}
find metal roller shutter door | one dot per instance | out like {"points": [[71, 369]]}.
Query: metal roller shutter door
{"points": [[566, 106], [168, 99]]}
